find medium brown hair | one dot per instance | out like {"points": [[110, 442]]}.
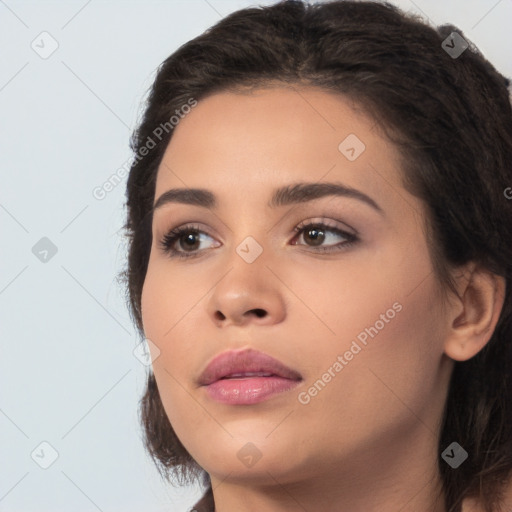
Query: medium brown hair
{"points": [[451, 121]]}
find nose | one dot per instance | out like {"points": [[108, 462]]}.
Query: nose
{"points": [[248, 293], [238, 318]]}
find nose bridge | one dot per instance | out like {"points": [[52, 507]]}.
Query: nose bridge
{"points": [[247, 264], [248, 289], [249, 235]]}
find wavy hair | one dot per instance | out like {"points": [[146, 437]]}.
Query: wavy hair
{"points": [[451, 121]]}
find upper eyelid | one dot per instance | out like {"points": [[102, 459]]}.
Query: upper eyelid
{"points": [[299, 208], [317, 219], [323, 216], [189, 226], [156, 222], [327, 222]]}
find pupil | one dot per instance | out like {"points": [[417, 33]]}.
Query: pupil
{"points": [[190, 238], [319, 240]]}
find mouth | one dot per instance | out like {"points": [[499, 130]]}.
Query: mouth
{"points": [[247, 377]]}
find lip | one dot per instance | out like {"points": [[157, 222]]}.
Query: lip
{"points": [[226, 380]]}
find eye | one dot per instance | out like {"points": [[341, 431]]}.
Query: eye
{"points": [[316, 232], [189, 237]]}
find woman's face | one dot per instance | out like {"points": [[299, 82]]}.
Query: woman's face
{"points": [[358, 319]]}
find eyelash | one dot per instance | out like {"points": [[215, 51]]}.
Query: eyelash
{"points": [[167, 242]]}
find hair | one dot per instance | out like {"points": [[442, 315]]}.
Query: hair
{"points": [[451, 122]]}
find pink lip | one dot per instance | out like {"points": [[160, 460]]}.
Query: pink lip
{"points": [[224, 385]]}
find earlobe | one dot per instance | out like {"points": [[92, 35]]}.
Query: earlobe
{"points": [[481, 298]]}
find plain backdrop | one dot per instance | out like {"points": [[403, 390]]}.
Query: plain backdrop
{"points": [[73, 77]]}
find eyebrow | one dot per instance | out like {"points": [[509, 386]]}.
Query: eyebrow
{"points": [[284, 196]]}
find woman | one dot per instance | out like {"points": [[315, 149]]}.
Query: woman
{"points": [[320, 252]]}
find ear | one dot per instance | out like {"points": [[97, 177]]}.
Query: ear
{"points": [[474, 315]]}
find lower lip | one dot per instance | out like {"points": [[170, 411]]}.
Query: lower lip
{"points": [[248, 391]]}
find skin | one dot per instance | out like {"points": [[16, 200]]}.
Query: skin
{"points": [[368, 440]]}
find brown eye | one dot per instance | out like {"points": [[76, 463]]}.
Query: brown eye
{"points": [[316, 234], [187, 238]]}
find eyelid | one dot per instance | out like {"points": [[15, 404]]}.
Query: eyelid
{"points": [[193, 224], [173, 236], [318, 219], [328, 222]]}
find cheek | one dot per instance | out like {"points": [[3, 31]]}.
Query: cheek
{"points": [[387, 380], [152, 298], [161, 310], [164, 307], [168, 318], [166, 301], [171, 306], [386, 319], [400, 356]]}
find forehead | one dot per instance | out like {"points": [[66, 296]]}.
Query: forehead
{"points": [[253, 142]]}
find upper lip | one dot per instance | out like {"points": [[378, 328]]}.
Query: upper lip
{"points": [[245, 361]]}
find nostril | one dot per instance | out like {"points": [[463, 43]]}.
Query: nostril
{"points": [[259, 312]]}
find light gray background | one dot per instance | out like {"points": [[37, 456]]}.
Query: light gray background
{"points": [[68, 375]]}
